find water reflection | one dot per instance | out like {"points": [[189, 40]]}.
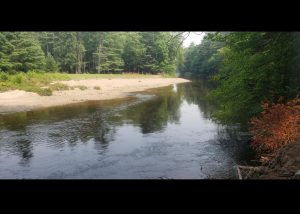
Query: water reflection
{"points": [[133, 137], [153, 115], [24, 150]]}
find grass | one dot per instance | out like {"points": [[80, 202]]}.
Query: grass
{"points": [[59, 87], [40, 82], [166, 75], [31, 81], [110, 76]]}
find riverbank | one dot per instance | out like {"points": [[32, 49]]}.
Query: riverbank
{"points": [[81, 90], [284, 165]]}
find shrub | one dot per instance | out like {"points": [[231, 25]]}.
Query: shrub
{"points": [[97, 88], [278, 125], [3, 76], [44, 91], [81, 87], [18, 78], [59, 87]]}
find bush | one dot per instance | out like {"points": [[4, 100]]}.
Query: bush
{"points": [[278, 125], [59, 87], [97, 88], [18, 78], [3, 76], [44, 91], [81, 87]]}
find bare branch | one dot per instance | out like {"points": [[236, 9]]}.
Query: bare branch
{"points": [[198, 34]]}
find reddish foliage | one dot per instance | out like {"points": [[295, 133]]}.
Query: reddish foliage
{"points": [[278, 125]]}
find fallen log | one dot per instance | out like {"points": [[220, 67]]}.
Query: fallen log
{"points": [[239, 173], [249, 170]]}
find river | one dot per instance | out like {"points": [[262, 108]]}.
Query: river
{"points": [[161, 133]]}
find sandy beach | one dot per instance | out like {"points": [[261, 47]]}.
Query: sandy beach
{"points": [[16, 100]]}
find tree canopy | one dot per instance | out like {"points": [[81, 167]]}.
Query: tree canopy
{"points": [[256, 66], [89, 52]]}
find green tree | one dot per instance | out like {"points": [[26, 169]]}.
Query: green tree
{"points": [[161, 52], [110, 52], [203, 59], [6, 49], [256, 67], [51, 65], [133, 53], [20, 51], [65, 50], [91, 42]]}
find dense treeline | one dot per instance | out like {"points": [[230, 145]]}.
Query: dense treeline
{"points": [[257, 82], [202, 60], [89, 52], [248, 68], [256, 67]]}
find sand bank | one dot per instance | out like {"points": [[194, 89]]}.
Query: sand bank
{"points": [[15, 101]]}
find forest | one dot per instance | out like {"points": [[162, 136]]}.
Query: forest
{"points": [[89, 52]]}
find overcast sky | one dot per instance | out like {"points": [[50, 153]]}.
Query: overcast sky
{"points": [[193, 37]]}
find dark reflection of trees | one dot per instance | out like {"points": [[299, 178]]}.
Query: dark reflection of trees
{"points": [[99, 128], [19, 121], [82, 128], [57, 126], [14, 122], [195, 92], [24, 149], [235, 143], [155, 114]]}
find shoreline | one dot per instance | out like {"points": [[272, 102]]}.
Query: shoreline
{"points": [[19, 101], [283, 165]]}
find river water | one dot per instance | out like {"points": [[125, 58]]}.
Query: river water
{"points": [[161, 133]]}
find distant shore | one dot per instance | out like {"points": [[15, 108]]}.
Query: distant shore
{"points": [[96, 89]]}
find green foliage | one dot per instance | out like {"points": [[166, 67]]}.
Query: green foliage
{"points": [[33, 82], [58, 87], [20, 51], [202, 59], [3, 77], [133, 53], [65, 50], [81, 52], [161, 52], [42, 91], [51, 65], [256, 67], [91, 41], [18, 78], [110, 53]]}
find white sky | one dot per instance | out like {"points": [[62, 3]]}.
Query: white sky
{"points": [[193, 37]]}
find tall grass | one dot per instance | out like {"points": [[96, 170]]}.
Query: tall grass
{"points": [[31, 81], [111, 76]]}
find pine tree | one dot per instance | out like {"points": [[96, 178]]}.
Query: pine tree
{"points": [[21, 51], [110, 52], [133, 53], [65, 51], [51, 65]]}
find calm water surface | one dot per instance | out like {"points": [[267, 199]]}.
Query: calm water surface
{"points": [[163, 133]]}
